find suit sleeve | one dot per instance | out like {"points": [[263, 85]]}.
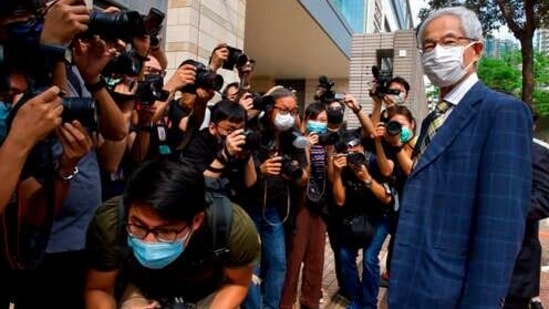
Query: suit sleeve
{"points": [[539, 206], [503, 195]]}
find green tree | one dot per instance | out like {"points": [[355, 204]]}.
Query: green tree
{"points": [[522, 17], [504, 73]]}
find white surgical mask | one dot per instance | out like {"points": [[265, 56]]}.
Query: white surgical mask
{"points": [[444, 65], [284, 122], [399, 98]]}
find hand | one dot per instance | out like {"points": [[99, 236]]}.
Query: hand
{"points": [[91, 57], [142, 45], [389, 101], [185, 75], [312, 138], [339, 161], [393, 140], [234, 142], [37, 118], [219, 55], [145, 114], [127, 86], [63, 20], [140, 303], [76, 142], [361, 173], [379, 131], [373, 88], [271, 166], [351, 102], [247, 101]]}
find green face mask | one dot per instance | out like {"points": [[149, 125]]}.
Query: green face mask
{"points": [[405, 135]]}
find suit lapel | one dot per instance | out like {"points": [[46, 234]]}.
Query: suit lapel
{"points": [[453, 125]]}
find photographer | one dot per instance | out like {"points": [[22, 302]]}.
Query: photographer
{"points": [[393, 92], [157, 240], [364, 198], [281, 168], [221, 150], [306, 243]]}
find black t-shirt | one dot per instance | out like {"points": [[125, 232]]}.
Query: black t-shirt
{"points": [[274, 190], [203, 149], [358, 198]]}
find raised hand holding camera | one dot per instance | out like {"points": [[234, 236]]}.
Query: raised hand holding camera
{"points": [[64, 19], [185, 75], [76, 143], [234, 142], [43, 113], [91, 57], [219, 56]]}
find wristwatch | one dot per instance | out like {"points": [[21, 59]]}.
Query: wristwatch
{"points": [[68, 177], [368, 182]]}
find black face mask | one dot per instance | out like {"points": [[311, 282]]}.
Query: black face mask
{"points": [[335, 116]]}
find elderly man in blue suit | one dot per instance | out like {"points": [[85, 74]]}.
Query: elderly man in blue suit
{"points": [[465, 203]]}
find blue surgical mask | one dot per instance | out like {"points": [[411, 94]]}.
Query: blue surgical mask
{"points": [[4, 113], [155, 255], [405, 135], [316, 126]]}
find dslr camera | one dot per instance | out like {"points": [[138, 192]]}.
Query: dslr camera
{"points": [[383, 80], [150, 90], [290, 169], [393, 128], [328, 138], [205, 78], [253, 140], [356, 159], [328, 95], [237, 58]]}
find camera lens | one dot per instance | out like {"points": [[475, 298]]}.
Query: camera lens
{"points": [[393, 128]]}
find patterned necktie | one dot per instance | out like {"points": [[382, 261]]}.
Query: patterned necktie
{"points": [[436, 119]]}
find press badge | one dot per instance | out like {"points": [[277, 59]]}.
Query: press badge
{"points": [[161, 131]]}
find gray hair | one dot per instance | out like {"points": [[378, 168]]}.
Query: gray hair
{"points": [[470, 24]]}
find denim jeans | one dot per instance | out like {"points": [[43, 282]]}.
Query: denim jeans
{"points": [[273, 255], [363, 293]]}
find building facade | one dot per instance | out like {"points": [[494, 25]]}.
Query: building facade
{"points": [[541, 41]]}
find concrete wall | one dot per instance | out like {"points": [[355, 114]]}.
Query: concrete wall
{"points": [[195, 27]]}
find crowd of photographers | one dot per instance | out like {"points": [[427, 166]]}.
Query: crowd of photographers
{"points": [[131, 191]]}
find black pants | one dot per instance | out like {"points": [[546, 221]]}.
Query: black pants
{"points": [[516, 303], [57, 283]]}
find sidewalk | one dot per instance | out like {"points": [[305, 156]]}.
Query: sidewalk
{"points": [[330, 284]]}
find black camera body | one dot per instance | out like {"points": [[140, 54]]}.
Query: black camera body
{"points": [[81, 109], [237, 58], [253, 140], [328, 138], [356, 159], [289, 168], [393, 128], [127, 63], [151, 90], [124, 25], [383, 81], [328, 96], [205, 78]]}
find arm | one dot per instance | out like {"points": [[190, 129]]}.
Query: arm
{"points": [[16, 153], [250, 174], [233, 292], [365, 122], [499, 212], [338, 189], [404, 157], [99, 289]]}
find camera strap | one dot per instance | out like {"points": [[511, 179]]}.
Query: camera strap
{"points": [[265, 205]]}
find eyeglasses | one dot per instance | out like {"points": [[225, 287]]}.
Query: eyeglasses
{"points": [[447, 41], [283, 111], [161, 234]]}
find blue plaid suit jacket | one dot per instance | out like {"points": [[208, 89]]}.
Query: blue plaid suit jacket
{"points": [[464, 208]]}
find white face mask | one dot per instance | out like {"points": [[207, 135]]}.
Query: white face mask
{"points": [[444, 65], [284, 122], [399, 98]]}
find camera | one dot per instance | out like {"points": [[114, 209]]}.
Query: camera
{"points": [[126, 63], [236, 58], [81, 109], [393, 128], [150, 90], [383, 80], [290, 168], [125, 25], [328, 95], [153, 24], [356, 159], [253, 140], [328, 138], [205, 78]]}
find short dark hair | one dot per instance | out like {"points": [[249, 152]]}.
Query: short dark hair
{"points": [[225, 91], [228, 110], [402, 81], [313, 110], [175, 190]]}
